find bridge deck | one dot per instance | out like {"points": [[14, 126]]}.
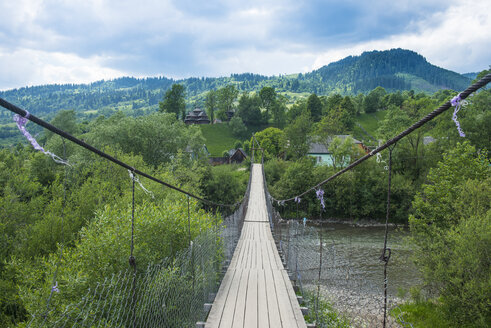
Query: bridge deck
{"points": [[256, 290]]}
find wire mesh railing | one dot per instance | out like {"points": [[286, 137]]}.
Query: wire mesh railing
{"points": [[324, 275], [172, 293]]}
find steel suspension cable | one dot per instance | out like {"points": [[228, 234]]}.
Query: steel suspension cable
{"points": [[54, 129], [463, 95]]}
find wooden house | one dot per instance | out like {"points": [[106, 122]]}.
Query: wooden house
{"points": [[197, 116], [236, 155], [322, 154]]}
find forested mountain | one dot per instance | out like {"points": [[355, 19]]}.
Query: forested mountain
{"points": [[395, 69], [471, 75]]}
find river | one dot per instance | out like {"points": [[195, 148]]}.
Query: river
{"points": [[352, 276]]}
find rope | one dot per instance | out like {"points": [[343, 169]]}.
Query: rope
{"points": [[463, 95], [132, 247], [23, 113], [387, 251], [54, 284], [320, 267]]}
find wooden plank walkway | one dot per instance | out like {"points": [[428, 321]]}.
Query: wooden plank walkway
{"points": [[256, 290]]}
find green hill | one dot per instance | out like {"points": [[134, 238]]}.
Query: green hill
{"points": [[395, 69], [218, 138]]}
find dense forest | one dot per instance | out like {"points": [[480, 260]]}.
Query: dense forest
{"points": [[441, 182], [393, 70], [396, 69], [82, 209]]}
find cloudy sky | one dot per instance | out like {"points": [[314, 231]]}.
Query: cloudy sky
{"points": [[73, 41]]}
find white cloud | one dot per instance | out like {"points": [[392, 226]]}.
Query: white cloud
{"points": [[259, 61], [458, 39], [56, 41], [33, 67]]}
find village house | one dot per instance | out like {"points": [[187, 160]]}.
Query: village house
{"points": [[236, 155], [322, 154], [197, 116]]}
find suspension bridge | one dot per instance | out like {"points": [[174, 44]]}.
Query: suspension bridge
{"points": [[256, 290], [248, 285]]}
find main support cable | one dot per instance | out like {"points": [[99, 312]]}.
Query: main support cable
{"points": [[85, 145], [463, 95]]}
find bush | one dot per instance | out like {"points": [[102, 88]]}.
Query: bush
{"points": [[103, 250], [238, 126], [451, 229]]}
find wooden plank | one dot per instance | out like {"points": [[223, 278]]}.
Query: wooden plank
{"points": [[293, 300], [259, 256], [284, 304], [262, 301], [272, 263], [228, 313], [240, 305], [243, 254], [276, 256], [218, 305], [272, 300], [251, 306], [235, 257], [266, 264], [250, 254]]}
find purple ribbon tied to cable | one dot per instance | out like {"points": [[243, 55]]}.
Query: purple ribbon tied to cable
{"points": [[320, 195], [457, 102], [297, 200], [55, 288], [21, 122]]}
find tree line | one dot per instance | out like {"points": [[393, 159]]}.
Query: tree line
{"points": [[83, 211]]}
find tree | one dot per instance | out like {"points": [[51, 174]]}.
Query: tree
{"points": [[341, 151], [279, 110], [358, 103], [299, 107], [156, 137], [482, 74], [451, 229], [297, 136], [268, 98], [411, 148], [296, 179], [65, 120], [333, 102], [272, 141], [174, 101], [373, 101], [211, 104], [226, 97], [274, 105], [249, 109], [396, 99], [238, 127], [314, 106]]}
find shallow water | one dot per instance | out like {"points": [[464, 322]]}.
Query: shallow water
{"points": [[351, 273], [361, 247]]}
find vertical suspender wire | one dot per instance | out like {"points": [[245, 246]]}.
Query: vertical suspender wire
{"points": [[189, 224], [386, 252], [54, 284], [320, 266], [217, 245], [191, 245], [132, 257], [132, 247]]}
